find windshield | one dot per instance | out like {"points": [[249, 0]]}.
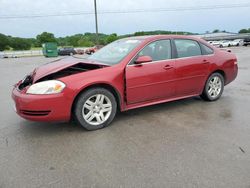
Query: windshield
{"points": [[114, 52]]}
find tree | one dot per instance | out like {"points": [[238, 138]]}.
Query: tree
{"points": [[111, 38], [62, 41], [73, 40], [139, 33], [216, 31], [33, 42], [85, 43], [244, 31], [4, 42], [20, 43], [45, 37]]}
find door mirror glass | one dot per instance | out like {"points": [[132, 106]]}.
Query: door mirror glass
{"points": [[143, 59]]}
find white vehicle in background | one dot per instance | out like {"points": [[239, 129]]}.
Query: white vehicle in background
{"points": [[237, 42], [225, 43], [215, 43]]}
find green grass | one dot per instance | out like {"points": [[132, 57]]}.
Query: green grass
{"points": [[36, 48]]}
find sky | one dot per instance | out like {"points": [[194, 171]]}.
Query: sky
{"points": [[198, 21]]}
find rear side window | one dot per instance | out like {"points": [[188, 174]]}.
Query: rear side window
{"points": [[187, 48], [206, 50]]}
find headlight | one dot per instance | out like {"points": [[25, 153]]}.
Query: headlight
{"points": [[46, 87]]}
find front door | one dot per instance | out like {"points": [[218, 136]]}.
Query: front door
{"points": [[153, 80]]}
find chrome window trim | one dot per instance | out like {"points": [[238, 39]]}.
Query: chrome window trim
{"points": [[193, 56], [134, 65]]}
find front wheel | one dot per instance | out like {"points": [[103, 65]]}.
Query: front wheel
{"points": [[95, 108], [214, 87]]}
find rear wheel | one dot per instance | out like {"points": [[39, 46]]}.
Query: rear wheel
{"points": [[95, 108], [214, 87]]}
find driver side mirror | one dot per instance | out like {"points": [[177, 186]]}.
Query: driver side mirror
{"points": [[143, 59]]}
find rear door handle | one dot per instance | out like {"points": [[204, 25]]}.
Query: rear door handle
{"points": [[167, 67]]}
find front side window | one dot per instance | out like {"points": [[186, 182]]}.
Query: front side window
{"points": [[114, 52], [187, 48], [159, 50]]}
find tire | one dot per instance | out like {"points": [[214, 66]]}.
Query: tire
{"points": [[221, 46], [95, 108], [213, 89]]}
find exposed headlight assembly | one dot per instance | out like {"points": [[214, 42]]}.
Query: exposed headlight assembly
{"points": [[46, 87]]}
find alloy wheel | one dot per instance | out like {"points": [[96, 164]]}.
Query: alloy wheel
{"points": [[214, 86], [97, 109]]}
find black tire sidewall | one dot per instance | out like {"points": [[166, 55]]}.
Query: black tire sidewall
{"points": [[82, 99], [207, 86]]}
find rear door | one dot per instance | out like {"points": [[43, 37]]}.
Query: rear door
{"points": [[191, 67], [153, 80]]}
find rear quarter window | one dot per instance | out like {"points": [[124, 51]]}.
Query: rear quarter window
{"points": [[206, 50]]}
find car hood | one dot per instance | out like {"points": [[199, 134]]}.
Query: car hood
{"points": [[61, 64]]}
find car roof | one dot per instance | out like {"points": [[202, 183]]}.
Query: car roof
{"points": [[155, 37]]}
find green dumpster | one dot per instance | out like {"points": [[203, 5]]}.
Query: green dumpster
{"points": [[50, 49]]}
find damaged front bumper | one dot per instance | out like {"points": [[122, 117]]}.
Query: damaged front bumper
{"points": [[41, 107]]}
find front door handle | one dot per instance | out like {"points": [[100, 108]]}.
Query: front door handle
{"points": [[167, 67], [205, 61]]}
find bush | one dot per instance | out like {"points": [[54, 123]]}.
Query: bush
{"points": [[20, 43], [85, 43], [4, 42], [111, 38]]}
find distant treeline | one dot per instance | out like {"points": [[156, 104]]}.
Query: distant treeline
{"points": [[78, 40], [245, 30]]}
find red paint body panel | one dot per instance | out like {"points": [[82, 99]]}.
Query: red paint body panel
{"points": [[57, 105], [135, 85], [191, 74], [146, 82]]}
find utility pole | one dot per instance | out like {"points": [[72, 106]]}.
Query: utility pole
{"points": [[96, 23]]}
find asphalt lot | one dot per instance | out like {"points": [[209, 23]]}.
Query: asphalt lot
{"points": [[187, 143]]}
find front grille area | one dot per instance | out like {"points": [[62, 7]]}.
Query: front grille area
{"points": [[35, 113]]}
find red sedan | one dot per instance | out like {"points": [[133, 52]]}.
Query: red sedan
{"points": [[126, 74]]}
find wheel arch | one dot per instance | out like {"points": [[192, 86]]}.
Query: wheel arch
{"points": [[109, 87], [220, 72]]}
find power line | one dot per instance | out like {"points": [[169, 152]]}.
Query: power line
{"points": [[197, 8]]}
